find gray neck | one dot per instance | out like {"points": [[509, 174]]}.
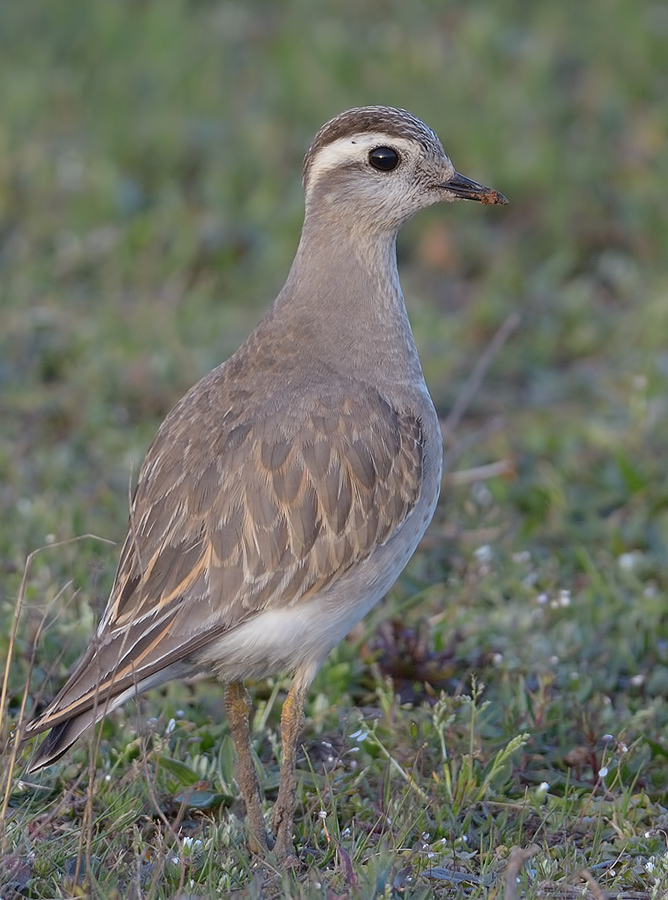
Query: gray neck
{"points": [[343, 299]]}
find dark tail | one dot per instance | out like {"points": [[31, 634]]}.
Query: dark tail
{"points": [[60, 739]]}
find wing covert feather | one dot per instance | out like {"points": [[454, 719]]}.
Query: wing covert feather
{"points": [[262, 516]]}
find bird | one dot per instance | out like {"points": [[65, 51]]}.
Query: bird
{"points": [[285, 492]]}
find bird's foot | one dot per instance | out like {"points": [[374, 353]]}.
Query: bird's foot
{"points": [[260, 844], [284, 849], [281, 823], [291, 863]]}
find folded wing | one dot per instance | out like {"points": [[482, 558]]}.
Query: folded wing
{"points": [[230, 518]]}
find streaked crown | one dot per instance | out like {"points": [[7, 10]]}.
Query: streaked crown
{"points": [[388, 121]]}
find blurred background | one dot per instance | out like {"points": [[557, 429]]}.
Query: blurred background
{"points": [[150, 205]]}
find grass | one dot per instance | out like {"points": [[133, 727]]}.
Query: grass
{"points": [[502, 715]]}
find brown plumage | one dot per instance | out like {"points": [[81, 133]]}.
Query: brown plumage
{"points": [[263, 516], [285, 492]]}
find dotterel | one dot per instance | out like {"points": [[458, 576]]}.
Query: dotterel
{"points": [[286, 491]]}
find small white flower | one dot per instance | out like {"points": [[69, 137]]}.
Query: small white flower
{"points": [[481, 493], [628, 561], [564, 597], [522, 556], [171, 725], [541, 791], [189, 845], [483, 554], [603, 771]]}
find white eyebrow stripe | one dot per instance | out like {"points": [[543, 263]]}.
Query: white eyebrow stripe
{"points": [[351, 148]]}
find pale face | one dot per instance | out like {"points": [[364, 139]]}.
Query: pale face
{"points": [[380, 180], [386, 178]]}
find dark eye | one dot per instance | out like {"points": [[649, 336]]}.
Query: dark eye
{"points": [[384, 158]]}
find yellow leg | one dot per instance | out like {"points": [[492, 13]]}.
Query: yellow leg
{"points": [[238, 706], [292, 722]]}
